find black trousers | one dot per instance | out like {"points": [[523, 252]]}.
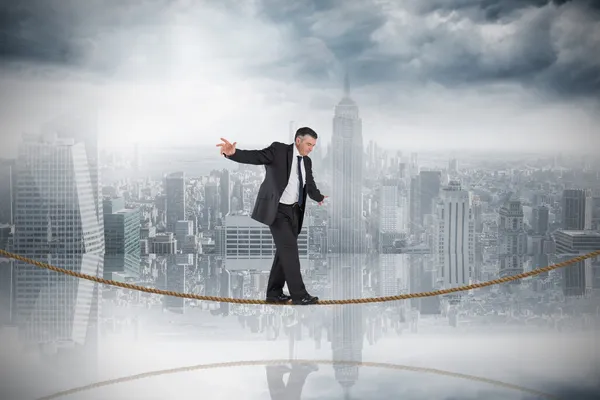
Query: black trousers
{"points": [[286, 264]]}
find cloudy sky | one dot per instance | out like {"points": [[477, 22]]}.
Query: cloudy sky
{"points": [[505, 74]]}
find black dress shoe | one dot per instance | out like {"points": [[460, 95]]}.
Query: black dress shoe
{"points": [[280, 298], [306, 300]]}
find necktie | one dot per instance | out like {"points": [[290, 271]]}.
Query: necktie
{"points": [[300, 185]]}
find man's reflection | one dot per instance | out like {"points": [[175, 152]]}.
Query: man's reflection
{"points": [[293, 390]]}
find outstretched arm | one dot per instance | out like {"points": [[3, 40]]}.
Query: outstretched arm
{"points": [[255, 157]]}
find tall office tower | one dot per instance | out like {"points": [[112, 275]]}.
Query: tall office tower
{"points": [[389, 212], [55, 205], [211, 204], [415, 224], [595, 205], [414, 164], [175, 199], [82, 126], [478, 214], [237, 196], [137, 157], [576, 210], [392, 212], [225, 192], [56, 222], [455, 235], [122, 237], [347, 233], [453, 166], [512, 238], [430, 185], [424, 190], [540, 217], [7, 191]]}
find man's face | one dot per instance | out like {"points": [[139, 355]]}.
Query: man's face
{"points": [[305, 145]]}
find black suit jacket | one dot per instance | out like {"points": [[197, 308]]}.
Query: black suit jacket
{"points": [[277, 159]]}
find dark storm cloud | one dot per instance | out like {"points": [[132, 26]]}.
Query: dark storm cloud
{"points": [[390, 44], [488, 9], [64, 32], [310, 17], [531, 53], [36, 32], [446, 52], [344, 27]]}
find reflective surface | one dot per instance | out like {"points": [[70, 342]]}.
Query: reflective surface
{"points": [[511, 341]]}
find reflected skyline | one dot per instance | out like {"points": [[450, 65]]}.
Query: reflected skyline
{"points": [[76, 322], [447, 160]]}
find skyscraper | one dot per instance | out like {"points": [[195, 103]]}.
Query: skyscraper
{"points": [[455, 235], [347, 232], [55, 204], [225, 192], [576, 209], [540, 218], [512, 238], [82, 127], [176, 197], [56, 221], [7, 191], [429, 189], [392, 212]]}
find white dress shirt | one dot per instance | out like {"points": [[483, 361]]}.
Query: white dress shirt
{"points": [[290, 194]]}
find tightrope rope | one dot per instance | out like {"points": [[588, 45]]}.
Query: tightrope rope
{"points": [[192, 296], [286, 362]]}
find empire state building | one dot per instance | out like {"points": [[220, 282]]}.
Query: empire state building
{"points": [[347, 228]]}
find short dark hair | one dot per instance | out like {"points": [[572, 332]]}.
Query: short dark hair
{"points": [[306, 131]]}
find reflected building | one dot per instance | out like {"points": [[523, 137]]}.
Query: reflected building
{"points": [[393, 274], [423, 275], [347, 325], [56, 222], [394, 277], [7, 291], [578, 279], [56, 309], [172, 276]]}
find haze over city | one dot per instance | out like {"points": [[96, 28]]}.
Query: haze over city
{"points": [[503, 75], [450, 208]]}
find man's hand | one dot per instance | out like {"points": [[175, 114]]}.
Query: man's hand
{"points": [[227, 148], [323, 201]]}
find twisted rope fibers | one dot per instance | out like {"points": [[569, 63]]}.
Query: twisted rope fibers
{"points": [[193, 296]]}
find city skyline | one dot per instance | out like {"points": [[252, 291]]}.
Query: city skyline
{"points": [[450, 142], [451, 76]]}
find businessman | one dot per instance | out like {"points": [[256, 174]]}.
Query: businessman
{"points": [[280, 204]]}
